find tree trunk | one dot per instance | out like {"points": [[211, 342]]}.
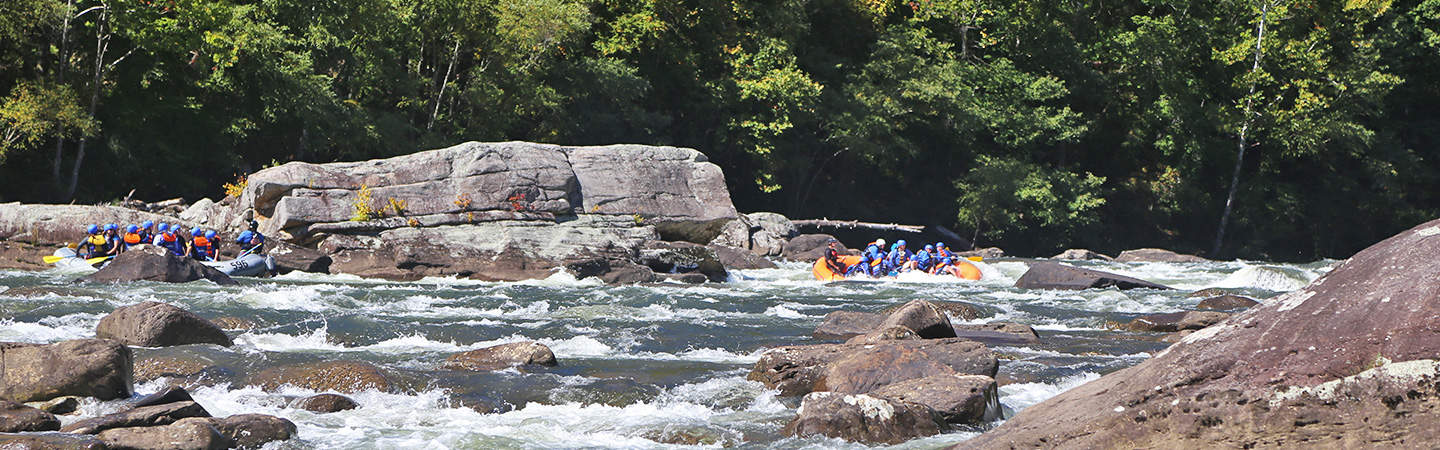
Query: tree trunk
{"points": [[64, 63], [454, 54], [1241, 143], [102, 44]]}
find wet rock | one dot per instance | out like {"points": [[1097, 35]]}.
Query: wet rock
{"points": [[60, 406], [155, 324], [796, 370], [695, 436], [190, 434], [734, 234], [1172, 322], [326, 403], [958, 310], [16, 417], [251, 430], [683, 257], [737, 259], [687, 278], [1227, 303], [998, 333], [847, 324], [1176, 336], [150, 263], [891, 333], [50, 441], [170, 394], [86, 367], [1157, 255], [290, 257], [1080, 254], [1052, 275], [960, 399], [143, 416], [617, 392], [612, 271], [502, 356], [234, 323], [983, 253], [56, 224], [1346, 362], [809, 247], [1210, 292], [149, 369], [921, 316], [775, 223], [766, 243], [864, 418], [339, 376]]}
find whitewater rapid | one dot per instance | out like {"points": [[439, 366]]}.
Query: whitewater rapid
{"points": [[647, 366]]}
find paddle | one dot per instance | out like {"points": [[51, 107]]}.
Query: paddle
{"points": [[98, 260], [973, 258], [52, 259]]}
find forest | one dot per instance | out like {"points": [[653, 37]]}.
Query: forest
{"points": [[1257, 129]]}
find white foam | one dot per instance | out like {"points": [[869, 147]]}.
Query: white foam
{"points": [[784, 312], [49, 329], [1019, 396]]}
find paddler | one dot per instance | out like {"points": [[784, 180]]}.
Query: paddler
{"points": [[874, 258], [924, 262], [132, 237], [93, 244], [112, 240], [899, 257], [832, 254]]}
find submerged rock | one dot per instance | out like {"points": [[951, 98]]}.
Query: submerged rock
{"points": [[1226, 303], [1177, 321], [189, 434], [150, 263], [86, 367], [16, 417], [960, 399], [998, 333], [155, 324], [1157, 255], [1347, 362], [864, 418], [1052, 275], [338, 376], [502, 356], [139, 417], [326, 403]]}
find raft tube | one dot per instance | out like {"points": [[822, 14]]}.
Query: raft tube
{"points": [[246, 266], [963, 269]]}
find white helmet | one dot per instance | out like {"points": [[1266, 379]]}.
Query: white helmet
{"points": [[880, 241]]}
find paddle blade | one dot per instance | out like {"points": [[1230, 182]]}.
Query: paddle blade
{"points": [[52, 259], [94, 261], [973, 258]]}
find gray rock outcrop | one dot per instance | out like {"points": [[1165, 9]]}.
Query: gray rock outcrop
{"points": [[1157, 255], [86, 367], [864, 418], [151, 263], [1053, 275]]}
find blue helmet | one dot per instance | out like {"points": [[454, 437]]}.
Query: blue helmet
{"points": [[895, 246], [209, 234], [92, 229], [244, 236], [900, 242], [111, 227], [131, 228], [147, 224], [929, 247], [947, 260], [197, 232], [940, 245], [163, 227]]}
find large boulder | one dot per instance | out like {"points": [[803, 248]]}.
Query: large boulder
{"points": [[250, 430], [139, 417], [612, 271], [87, 367], [677, 190], [841, 325], [810, 247], [998, 333], [326, 403], [958, 310], [859, 367], [189, 434], [290, 257], [1157, 255], [921, 316], [961, 399], [339, 376], [775, 223], [155, 324], [1080, 254], [502, 356], [1349, 361], [1052, 275], [49, 441], [737, 259], [151, 263], [16, 417], [683, 257], [864, 418]]}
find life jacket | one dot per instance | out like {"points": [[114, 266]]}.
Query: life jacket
{"points": [[173, 243], [202, 243], [132, 239], [96, 239]]}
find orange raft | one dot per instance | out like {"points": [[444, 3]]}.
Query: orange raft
{"points": [[961, 269]]}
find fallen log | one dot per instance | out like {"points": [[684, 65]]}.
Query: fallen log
{"points": [[853, 224]]}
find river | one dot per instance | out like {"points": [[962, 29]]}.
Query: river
{"points": [[640, 366]]}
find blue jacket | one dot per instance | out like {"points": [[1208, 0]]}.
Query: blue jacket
{"points": [[923, 261]]}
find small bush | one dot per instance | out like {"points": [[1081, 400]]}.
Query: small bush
{"points": [[236, 188], [364, 206]]}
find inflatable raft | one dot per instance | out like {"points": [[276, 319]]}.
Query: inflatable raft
{"points": [[70, 261], [245, 266], [822, 272]]}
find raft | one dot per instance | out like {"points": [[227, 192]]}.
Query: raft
{"points": [[70, 261], [965, 270], [246, 266]]}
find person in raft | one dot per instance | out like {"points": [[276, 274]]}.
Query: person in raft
{"points": [[132, 237], [93, 244], [870, 260], [147, 231], [252, 242], [112, 240], [169, 238], [199, 247], [832, 256]]}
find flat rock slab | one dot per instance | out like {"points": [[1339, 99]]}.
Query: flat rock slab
{"points": [[797, 370], [1176, 321], [16, 417], [339, 376], [155, 324], [1053, 275], [189, 434], [138, 417], [1157, 255], [86, 367], [1226, 303], [502, 356], [46, 441], [961, 399]]}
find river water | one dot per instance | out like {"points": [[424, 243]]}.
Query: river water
{"points": [[640, 366]]}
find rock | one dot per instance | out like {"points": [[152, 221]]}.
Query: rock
{"points": [[85, 367], [1348, 361], [60, 405], [737, 259], [734, 234], [683, 257], [675, 189], [138, 417], [198, 212], [796, 370], [326, 403], [809, 247], [155, 324], [1172, 322], [16, 417], [150, 263], [960, 399], [252, 430], [1052, 275], [891, 333], [998, 333], [983, 253], [190, 434], [1157, 255], [612, 271], [958, 310], [1176, 336], [339, 376], [863, 418], [775, 223], [921, 316], [1226, 303], [149, 369], [1210, 292], [686, 278], [1080, 254], [51, 225], [839, 325], [502, 356], [233, 323], [170, 394], [50, 441], [766, 243], [290, 257]]}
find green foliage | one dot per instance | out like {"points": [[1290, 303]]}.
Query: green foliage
{"points": [[1000, 197], [35, 112]]}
